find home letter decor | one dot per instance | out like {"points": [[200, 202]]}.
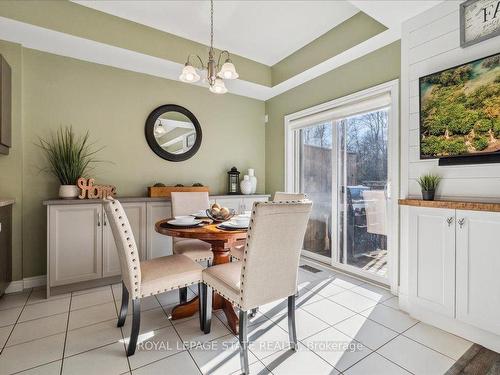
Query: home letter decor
{"points": [[91, 191]]}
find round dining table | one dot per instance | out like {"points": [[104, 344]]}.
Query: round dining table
{"points": [[222, 241]]}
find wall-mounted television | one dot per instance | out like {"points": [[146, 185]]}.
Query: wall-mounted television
{"points": [[460, 113]]}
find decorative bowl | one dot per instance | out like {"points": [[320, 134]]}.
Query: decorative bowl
{"points": [[218, 217]]}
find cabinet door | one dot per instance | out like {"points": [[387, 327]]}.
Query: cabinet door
{"points": [[229, 202], [478, 266], [432, 259], [248, 202], [75, 243], [136, 214], [157, 244]]}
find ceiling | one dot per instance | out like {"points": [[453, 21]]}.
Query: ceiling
{"points": [[263, 31]]}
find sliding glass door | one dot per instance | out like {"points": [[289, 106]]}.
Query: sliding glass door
{"points": [[342, 158]]}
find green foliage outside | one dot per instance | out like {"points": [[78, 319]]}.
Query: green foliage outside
{"points": [[460, 110]]}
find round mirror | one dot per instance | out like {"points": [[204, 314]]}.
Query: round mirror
{"points": [[173, 132]]}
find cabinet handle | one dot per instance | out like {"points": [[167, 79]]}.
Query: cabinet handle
{"points": [[104, 220], [449, 221], [98, 220], [461, 222]]}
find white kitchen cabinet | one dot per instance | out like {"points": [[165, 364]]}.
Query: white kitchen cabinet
{"points": [[432, 259], [157, 244], [478, 267], [136, 214], [75, 243]]}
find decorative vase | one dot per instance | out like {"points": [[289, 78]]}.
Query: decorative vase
{"points": [[68, 191], [428, 195], [253, 180], [246, 185]]}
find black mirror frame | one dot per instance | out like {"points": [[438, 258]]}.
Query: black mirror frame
{"points": [[150, 138]]}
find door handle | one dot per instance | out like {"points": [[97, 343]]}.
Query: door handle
{"points": [[449, 221], [461, 222]]}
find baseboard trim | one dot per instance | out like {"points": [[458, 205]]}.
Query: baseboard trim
{"points": [[26, 283]]}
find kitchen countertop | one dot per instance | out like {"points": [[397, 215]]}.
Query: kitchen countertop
{"points": [[140, 199], [6, 202], [455, 205]]}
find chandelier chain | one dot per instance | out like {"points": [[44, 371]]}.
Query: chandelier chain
{"points": [[211, 24]]}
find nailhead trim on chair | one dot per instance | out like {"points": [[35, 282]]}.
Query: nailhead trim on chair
{"points": [[169, 289]]}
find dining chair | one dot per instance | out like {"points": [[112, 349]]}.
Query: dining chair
{"points": [[237, 251], [187, 203], [145, 278], [275, 236]]}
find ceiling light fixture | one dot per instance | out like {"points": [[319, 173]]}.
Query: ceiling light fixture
{"points": [[214, 78]]}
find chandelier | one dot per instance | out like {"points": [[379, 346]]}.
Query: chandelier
{"points": [[215, 76]]}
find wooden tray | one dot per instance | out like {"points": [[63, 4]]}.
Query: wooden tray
{"points": [[166, 191]]}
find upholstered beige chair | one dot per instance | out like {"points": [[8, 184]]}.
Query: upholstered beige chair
{"points": [[199, 251], [237, 251], [275, 237], [145, 278]]}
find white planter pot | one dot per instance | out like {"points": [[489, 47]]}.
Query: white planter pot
{"points": [[246, 185], [68, 191], [253, 180]]}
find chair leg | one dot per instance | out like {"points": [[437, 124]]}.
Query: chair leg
{"points": [[243, 338], [136, 324], [201, 304], [183, 294], [292, 332], [207, 307], [124, 307], [253, 312]]}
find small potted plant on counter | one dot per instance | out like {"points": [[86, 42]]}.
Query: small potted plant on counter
{"points": [[428, 183], [69, 157]]}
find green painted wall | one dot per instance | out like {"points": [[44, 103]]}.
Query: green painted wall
{"points": [[349, 33], [78, 20], [113, 105], [377, 67], [11, 166]]}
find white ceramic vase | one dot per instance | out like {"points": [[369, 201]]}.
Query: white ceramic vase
{"points": [[68, 191], [246, 185], [253, 180]]}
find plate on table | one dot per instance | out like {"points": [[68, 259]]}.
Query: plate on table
{"points": [[180, 223], [201, 213], [231, 225]]}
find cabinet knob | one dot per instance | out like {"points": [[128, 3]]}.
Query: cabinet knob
{"points": [[449, 221], [461, 222]]}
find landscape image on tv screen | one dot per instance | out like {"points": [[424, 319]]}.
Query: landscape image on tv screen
{"points": [[460, 110]]}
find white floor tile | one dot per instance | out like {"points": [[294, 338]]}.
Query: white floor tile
{"points": [[90, 337], [38, 328], [10, 301], [392, 302], [441, 341], [91, 290], [147, 303], [373, 292], [338, 349], [9, 316], [415, 357], [150, 320], [346, 282], [325, 288], [91, 315], [180, 363], [353, 301], [40, 295], [53, 368], [266, 339], [305, 324], [328, 311], [375, 364], [31, 354], [220, 356], [91, 299], [43, 309], [366, 331], [192, 335], [396, 320], [155, 345], [256, 368], [303, 361], [4, 335], [110, 359]]}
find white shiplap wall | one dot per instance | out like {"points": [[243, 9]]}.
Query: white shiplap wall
{"points": [[431, 42]]}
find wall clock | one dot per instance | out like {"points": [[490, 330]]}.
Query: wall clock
{"points": [[479, 20]]}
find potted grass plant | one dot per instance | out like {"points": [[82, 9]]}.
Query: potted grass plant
{"points": [[69, 157], [428, 183]]}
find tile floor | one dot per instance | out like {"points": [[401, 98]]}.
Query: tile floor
{"points": [[344, 327]]}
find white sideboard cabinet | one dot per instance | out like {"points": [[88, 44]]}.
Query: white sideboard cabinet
{"points": [[81, 250], [453, 271]]}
